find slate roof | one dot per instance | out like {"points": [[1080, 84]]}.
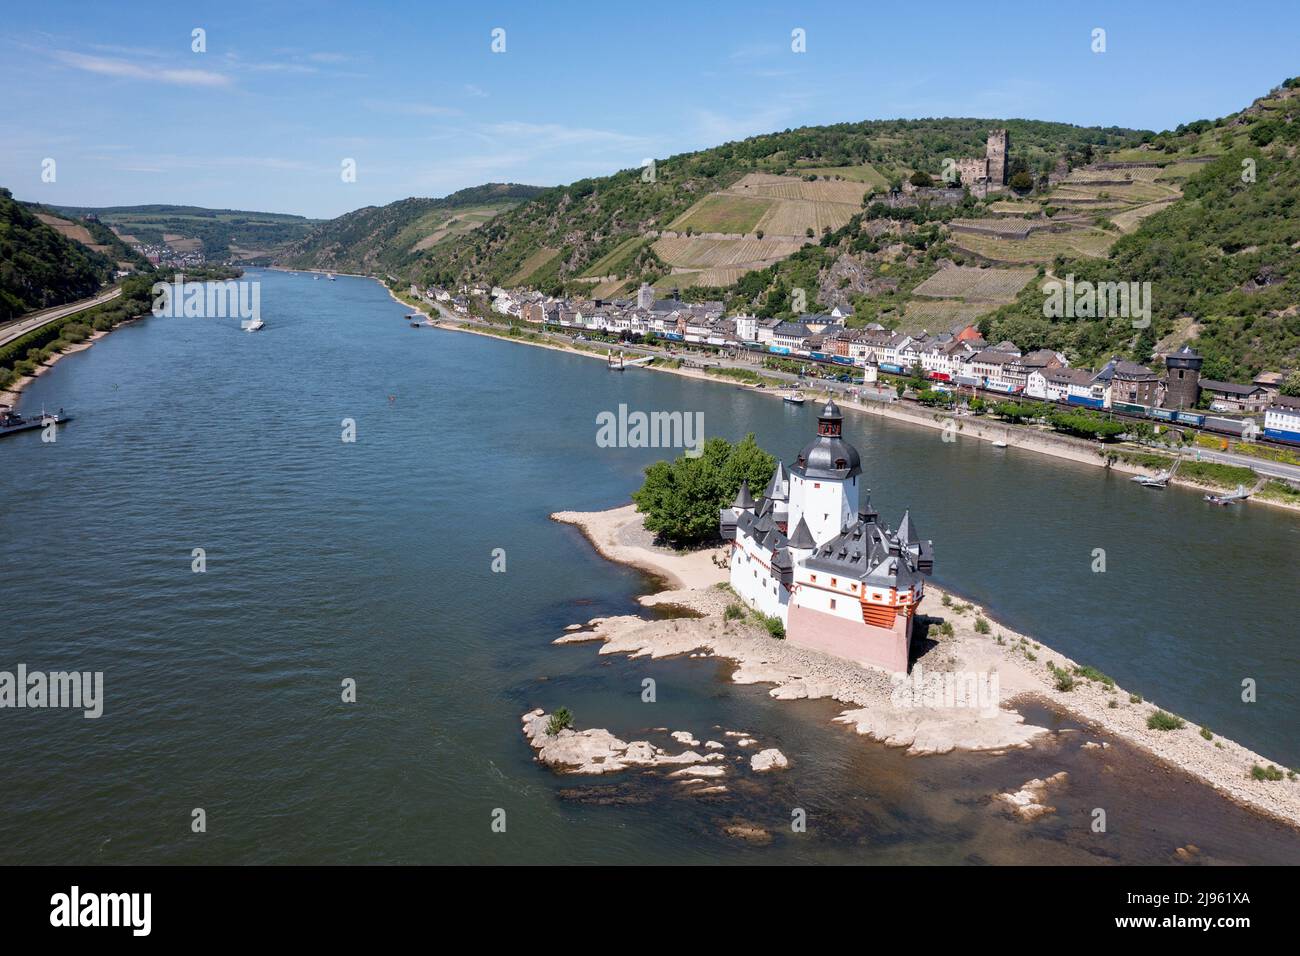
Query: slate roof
{"points": [[743, 498], [1231, 388], [802, 537]]}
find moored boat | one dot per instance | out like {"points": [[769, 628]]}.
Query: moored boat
{"points": [[11, 422]]}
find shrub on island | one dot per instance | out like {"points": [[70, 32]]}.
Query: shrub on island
{"points": [[681, 499], [560, 720]]}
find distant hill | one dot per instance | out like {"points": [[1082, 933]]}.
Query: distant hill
{"points": [[604, 234], [40, 267], [392, 238], [219, 233], [91, 233]]}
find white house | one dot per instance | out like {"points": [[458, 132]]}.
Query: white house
{"points": [[1282, 419]]}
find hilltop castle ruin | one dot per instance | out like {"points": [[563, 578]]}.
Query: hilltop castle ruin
{"points": [[986, 174]]}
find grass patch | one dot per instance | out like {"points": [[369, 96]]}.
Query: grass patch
{"points": [[1064, 680], [1266, 773], [1142, 459], [772, 625], [1163, 721], [1217, 475], [1275, 490], [1091, 673], [560, 720]]}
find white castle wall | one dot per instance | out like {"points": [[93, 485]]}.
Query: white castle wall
{"points": [[828, 594], [828, 505], [753, 580]]}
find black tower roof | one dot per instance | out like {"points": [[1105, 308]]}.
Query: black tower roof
{"points": [[828, 455]]}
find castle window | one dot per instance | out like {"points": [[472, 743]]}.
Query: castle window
{"points": [[814, 577], [832, 604], [817, 484], [835, 582]]}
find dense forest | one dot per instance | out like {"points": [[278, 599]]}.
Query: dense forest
{"points": [[39, 267]]}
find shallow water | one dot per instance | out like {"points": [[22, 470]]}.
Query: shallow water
{"points": [[372, 561]]}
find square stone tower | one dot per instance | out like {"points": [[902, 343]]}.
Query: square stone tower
{"points": [[997, 152]]}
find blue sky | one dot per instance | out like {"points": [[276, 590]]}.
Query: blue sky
{"points": [[285, 92]]}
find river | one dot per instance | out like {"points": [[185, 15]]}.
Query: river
{"points": [[372, 561]]}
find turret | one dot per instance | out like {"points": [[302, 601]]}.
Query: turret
{"points": [[778, 494], [801, 543], [824, 479], [728, 517]]}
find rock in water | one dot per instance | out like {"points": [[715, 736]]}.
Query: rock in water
{"points": [[770, 759]]}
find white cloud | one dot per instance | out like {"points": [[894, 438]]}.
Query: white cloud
{"points": [[106, 66], [409, 109]]}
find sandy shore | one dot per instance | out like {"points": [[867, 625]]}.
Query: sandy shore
{"points": [[11, 395], [875, 706]]}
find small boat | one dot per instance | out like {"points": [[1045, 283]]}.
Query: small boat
{"points": [[1152, 481], [999, 444], [794, 398], [1241, 494], [252, 325], [11, 422]]}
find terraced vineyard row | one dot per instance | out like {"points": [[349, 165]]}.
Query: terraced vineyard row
{"points": [[708, 253], [983, 285]]}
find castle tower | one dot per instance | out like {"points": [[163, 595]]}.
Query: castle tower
{"points": [[997, 152], [824, 480], [1183, 378], [645, 296]]}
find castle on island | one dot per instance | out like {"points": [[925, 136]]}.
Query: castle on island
{"points": [[813, 553]]}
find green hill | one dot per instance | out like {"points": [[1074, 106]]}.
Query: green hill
{"points": [[39, 267], [220, 233], [586, 221], [1223, 261], [392, 238]]}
